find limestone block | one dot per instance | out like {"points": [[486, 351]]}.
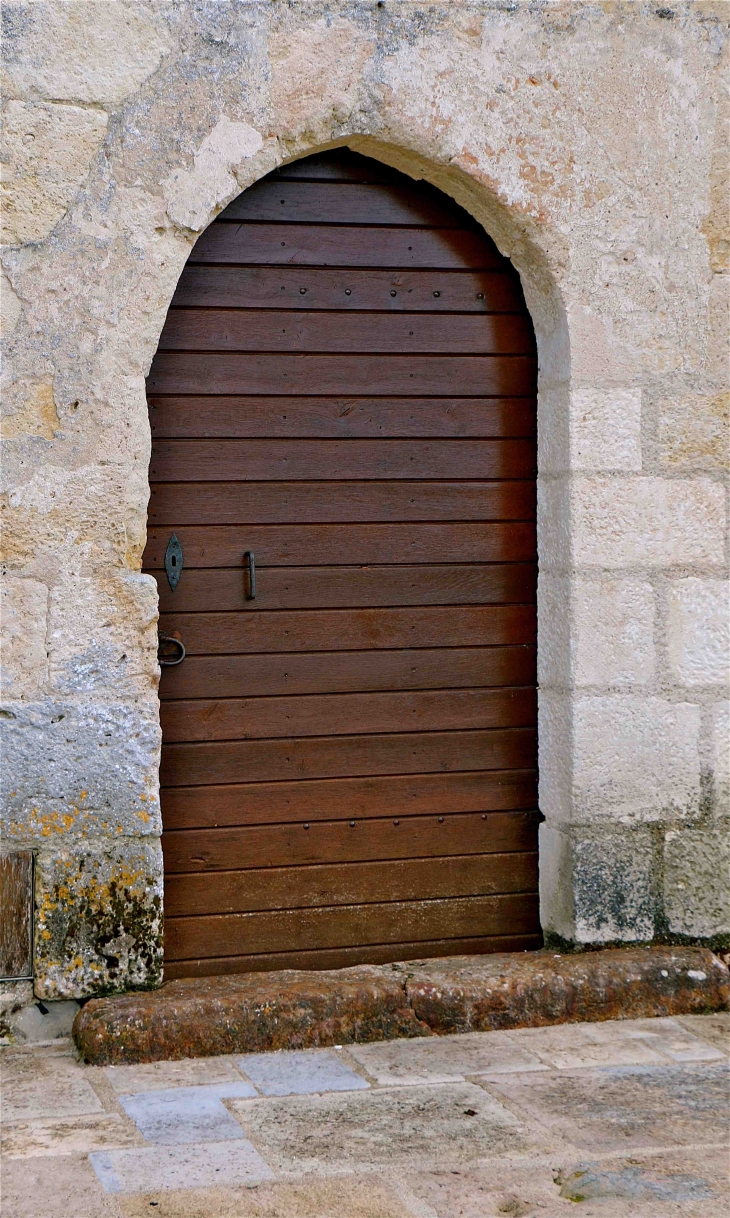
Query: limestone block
{"points": [[48, 151], [79, 771], [103, 634], [613, 631], [10, 307], [557, 909], [721, 756], [656, 522], [37, 415], [24, 662], [635, 759], [696, 888], [81, 50], [553, 523], [694, 431], [193, 193], [698, 631], [605, 429], [99, 919], [553, 429], [614, 882], [554, 735], [554, 624]]}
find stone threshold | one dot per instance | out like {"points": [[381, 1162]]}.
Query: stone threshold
{"points": [[292, 1009]]}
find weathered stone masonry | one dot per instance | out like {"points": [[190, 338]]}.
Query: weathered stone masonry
{"points": [[588, 140]]}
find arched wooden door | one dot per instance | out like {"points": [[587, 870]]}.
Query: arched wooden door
{"points": [[345, 386]]}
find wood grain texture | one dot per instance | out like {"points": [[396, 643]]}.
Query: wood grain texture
{"points": [[339, 460], [352, 629], [349, 884], [371, 375], [342, 245], [341, 417], [348, 841], [346, 957], [348, 925], [348, 671], [342, 203], [338, 798], [195, 329], [329, 544], [347, 289], [16, 914], [346, 386], [349, 587], [345, 714], [237, 761], [177, 503]]}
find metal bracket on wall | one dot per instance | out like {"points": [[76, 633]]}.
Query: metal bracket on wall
{"points": [[173, 562]]}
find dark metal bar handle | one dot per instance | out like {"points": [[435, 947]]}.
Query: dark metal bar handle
{"points": [[168, 638], [249, 558]]}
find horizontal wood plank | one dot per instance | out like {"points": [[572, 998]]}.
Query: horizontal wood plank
{"points": [[195, 329], [350, 925], [334, 418], [286, 545], [341, 203], [350, 884], [337, 165], [337, 798], [346, 957], [237, 761], [311, 460], [352, 629], [202, 503], [347, 671], [360, 841], [252, 373], [345, 246], [256, 287], [346, 714], [347, 586]]}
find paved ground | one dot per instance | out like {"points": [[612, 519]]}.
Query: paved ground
{"points": [[606, 1119]]}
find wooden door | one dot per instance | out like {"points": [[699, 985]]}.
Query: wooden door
{"points": [[345, 385]]}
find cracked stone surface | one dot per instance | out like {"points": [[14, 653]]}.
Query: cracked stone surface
{"points": [[528, 1122]]}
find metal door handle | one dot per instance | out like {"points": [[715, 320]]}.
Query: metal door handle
{"points": [[163, 639], [249, 558]]}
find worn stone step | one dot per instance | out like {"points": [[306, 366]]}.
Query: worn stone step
{"points": [[292, 1009]]}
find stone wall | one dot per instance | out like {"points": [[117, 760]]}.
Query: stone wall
{"points": [[588, 140]]}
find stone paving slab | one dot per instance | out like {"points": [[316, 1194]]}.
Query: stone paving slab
{"points": [[444, 1059], [44, 1086], [617, 1043], [300, 1073], [646, 1105], [713, 1028], [361, 1130], [157, 1076], [341, 1197], [72, 1135], [62, 1187], [291, 1009], [681, 1184], [641, 1140], [187, 1114], [210, 1165]]}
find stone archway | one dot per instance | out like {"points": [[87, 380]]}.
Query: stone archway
{"points": [[515, 116]]}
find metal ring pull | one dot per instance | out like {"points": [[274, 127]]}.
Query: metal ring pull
{"points": [[168, 638]]}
